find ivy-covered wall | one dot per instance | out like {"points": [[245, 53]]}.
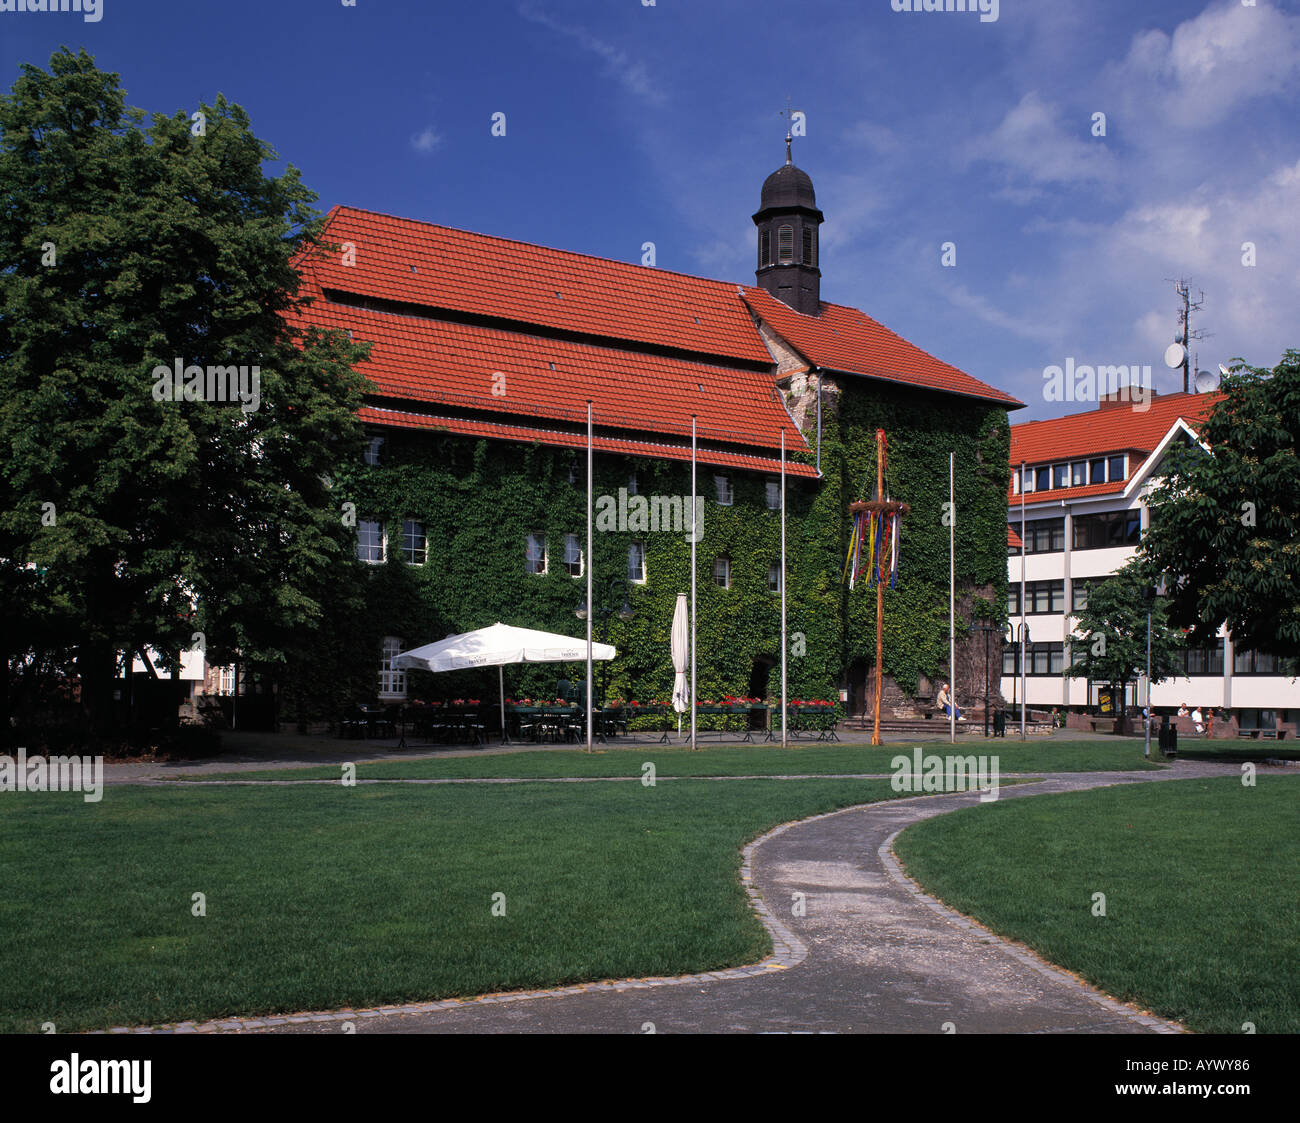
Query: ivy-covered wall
{"points": [[479, 500]]}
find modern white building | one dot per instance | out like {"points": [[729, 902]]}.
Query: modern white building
{"points": [[1081, 483]]}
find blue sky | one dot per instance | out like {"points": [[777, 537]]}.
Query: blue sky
{"points": [[628, 123]]}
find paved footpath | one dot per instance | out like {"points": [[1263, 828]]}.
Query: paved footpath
{"points": [[872, 955]]}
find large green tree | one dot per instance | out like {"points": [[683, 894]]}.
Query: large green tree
{"points": [[127, 244], [1110, 638], [1225, 524]]}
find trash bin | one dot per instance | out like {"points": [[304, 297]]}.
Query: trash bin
{"points": [[1168, 738], [999, 723]]}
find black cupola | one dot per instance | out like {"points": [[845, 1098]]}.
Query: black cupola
{"points": [[787, 222]]}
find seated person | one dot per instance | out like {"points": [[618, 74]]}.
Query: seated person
{"points": [[947, 705]]}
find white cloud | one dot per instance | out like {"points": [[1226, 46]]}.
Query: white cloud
{"points": [[1211, 65], [426, 140], [1035, 141], [632, 75]]}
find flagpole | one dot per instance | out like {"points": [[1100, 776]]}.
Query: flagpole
{"points": [[1023, 629], [952, 602], [695, 518], [784, 741], [590, 567], [880, 588]]}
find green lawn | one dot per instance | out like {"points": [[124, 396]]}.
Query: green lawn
{"points": [[673, 760], [1202, 888], [325, 896]]}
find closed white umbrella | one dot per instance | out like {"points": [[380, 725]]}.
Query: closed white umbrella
{"points": [[681, 648], [495, 647]]}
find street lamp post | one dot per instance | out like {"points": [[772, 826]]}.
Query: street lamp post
{"points": [[603, 609], [987, 629]]}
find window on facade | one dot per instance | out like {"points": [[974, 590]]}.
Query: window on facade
{"points": [[723, 484], [370, 541], [1011, 660], [372, 450], [1028, 479], [1116, 467], [1247, 662], [1061, 475], [1045, 658], [227, 684], [1113, 528], [1042, 478], [636, 563], [415, 545], [392, 682], [632, 484], [1203, 660], [535, 554], [573, 469], [785, 245], [1042, 598], [573, 555], [722, 571], [1078, 473], [1042, 536], [773, 495], [774, 577], [809, 246], [1079, 594], [1097, 471], [764, 248]]}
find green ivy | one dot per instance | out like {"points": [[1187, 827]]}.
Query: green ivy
{"points": [[478, 501]]}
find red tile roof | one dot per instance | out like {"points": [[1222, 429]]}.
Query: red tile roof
{"points": [[705, 454], [1097, 432], [420, 360], [400, 259], [449, 309], [845, 339]]}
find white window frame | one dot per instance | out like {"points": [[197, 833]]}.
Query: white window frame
{"points": [[723, 486], [406, 546], [572, 540], [725, 559], [383, 542], [774, 569], [392, 681], [226, 680], [636, 549], [773, 495], [372, 451], [529, 559]]}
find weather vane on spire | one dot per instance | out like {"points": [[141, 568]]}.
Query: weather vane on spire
{"points": [[794, 127]]}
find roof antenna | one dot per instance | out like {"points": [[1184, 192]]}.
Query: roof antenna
{"points": [[788, 136]]}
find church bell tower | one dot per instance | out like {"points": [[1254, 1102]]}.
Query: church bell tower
{"points": [[788, 221]]}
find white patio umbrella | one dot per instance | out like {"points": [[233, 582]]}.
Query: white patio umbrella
{"points": [[681, 649], [495, 647]]}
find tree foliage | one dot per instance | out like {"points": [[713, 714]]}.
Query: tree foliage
{"points": [[1225, 525], [1111, 632], [129, 521]]}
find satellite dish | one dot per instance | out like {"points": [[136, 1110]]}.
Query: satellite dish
{"points": [[1206, 382], [1175, 353], [1224, 370], [1178, 336]]}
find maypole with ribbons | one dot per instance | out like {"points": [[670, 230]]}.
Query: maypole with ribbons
{"points": [[874, 553]]}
